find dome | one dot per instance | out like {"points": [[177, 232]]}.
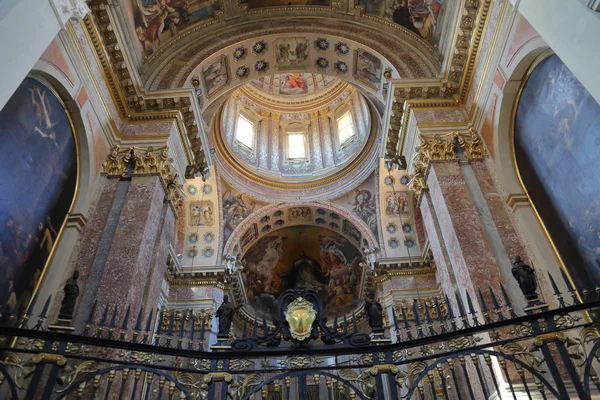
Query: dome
{"points": [[296, 134]]}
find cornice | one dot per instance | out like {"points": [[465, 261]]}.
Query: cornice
{"points": [[132, 104]]}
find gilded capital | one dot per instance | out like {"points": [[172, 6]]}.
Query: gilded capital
{"points": [[139, 161], [472, 145]]}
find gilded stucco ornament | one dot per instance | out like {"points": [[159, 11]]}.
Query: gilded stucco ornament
{"points": [[138, 161], [300, 315], [472, 145]]}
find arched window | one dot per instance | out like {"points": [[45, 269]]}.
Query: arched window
{"points": [[345, 127], [295, 143], [244, 132]]}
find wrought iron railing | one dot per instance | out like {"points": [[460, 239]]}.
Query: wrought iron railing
{"points": [[459, 354]]}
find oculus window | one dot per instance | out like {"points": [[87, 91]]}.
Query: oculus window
{"points": [[345, 128], [296, 148], [244, 132]]}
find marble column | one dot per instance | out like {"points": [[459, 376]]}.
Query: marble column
{"points": [[129, 274], [466, 241]]}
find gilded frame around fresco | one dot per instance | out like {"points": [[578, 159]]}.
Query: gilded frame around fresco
{"points": [[513, 117], [39, 78]]}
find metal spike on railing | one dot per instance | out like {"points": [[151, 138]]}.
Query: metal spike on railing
{"points": [[461, 310], [137, 326], [451, 316], [148, 327], [497, 308], [202, 331], [102, 322], [345, 324], [417, 318], [264, 322], [244, 333], [181, 330], [113, 322], [125, 322], [396, 328], [191, 337], [255, 328], [572, 291], [90, 319], [440, 317], [335, 322], [28, 313], [160, 316], [507, 301], [42, 316], [472, 309], [170, 329], [486, 314], [409, 335], [354, 324], [429, 321], [557, 293]]}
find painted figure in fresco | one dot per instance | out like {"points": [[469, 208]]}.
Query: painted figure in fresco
{"points": [[293, 83], [67, 306], [364, 207], [234, 211], [331, 251], [306, 273], [395, 205], [225, 315], [153, 17], [525, 276]]}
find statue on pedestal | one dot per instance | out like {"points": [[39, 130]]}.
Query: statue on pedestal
{"points": [[525, 276], [67, 306], [375, 314], [225, 315]]}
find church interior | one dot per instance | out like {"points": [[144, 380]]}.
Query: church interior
{"points": [[299, 199]]}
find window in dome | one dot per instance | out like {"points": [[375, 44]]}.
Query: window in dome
{"points": [[244, 132], [296, 148], [345, 128]]}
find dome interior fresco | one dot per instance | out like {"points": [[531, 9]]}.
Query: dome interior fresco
{"points": [[293, 86], [302, 256]]}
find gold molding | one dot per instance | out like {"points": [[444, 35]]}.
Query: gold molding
{"points": [[513, 117], [132, 105], [135, 161]]}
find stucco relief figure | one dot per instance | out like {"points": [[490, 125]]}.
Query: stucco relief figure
{"points": [[525, 276], [71, 289], [225, 316], [201, 213]]}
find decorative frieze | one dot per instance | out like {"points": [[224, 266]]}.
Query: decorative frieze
{"points": [[137, 161]]}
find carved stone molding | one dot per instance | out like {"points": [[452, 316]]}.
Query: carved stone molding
{"points": [[137, 161], [69, 9]]}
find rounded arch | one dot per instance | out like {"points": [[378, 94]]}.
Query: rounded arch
{"points": [[175, 61], [57, 270], [528, 223], [367, 236]]}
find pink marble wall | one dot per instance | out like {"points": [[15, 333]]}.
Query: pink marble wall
{"points": [[180, 230], [488, 128], [467, 244], [195, 292], [436, 244], [130, 255], [419, 227], [157, 273], [84, 252]]}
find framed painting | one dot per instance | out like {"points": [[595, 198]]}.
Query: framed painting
{"points": [[39, 160], [202, 213], [215, 75], [368, 68], [291, 53]]}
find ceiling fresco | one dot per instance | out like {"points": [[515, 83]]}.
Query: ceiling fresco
{"points": [[302, 256], [425, 18], [284, 3], [157, 21], [294, 84]]}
